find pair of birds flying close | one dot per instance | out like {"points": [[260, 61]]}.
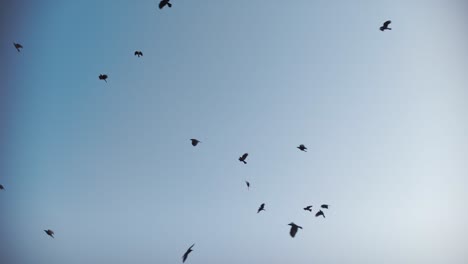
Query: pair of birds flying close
{"points": [[320, 212]]}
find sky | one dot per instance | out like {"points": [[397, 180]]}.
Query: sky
{"points": [[110, 169]]}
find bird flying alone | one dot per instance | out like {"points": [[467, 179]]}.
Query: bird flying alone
{"points": [[49, 232], [18, 46], [308, 208], [261, 208], [163, 3], [195, 142], [302, 148], [385, 25], [184, 257], [138, 53], [103, 77], [294, 229], [324, 206], [320, 213], [243, 157]]}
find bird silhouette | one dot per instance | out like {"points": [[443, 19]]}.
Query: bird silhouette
{"points": [[385, 25], [1, 187], [243, 157], [261, 208], [320, 213], [302, 147], [308, 208], [184, 257], [163, 3], [49, 232], [324, 206], [103, 77], [18, 46], [294, 229], [195, 142], [248, 185], [138, 53]]}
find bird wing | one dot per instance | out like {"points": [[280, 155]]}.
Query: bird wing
{"points": [[293, 231], [136, 53], [245, 155], [387, 23], [162, 4]]}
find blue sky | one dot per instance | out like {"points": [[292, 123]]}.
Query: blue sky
{"points": [[109, 166]]}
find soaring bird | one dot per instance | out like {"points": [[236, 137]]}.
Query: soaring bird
{"points": [[163, 3], [17, 46], [195, 142], [320, 213], [1, 187], [138, 53], [324, 206], [49, 232], [243, 157], [184, 257], [103, 77], [246, 182], [261, 208], [308, 208], [294, 229], [302, 147], [385, 25]]}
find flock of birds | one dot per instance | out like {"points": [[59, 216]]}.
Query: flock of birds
{"points": [[294, 227]]}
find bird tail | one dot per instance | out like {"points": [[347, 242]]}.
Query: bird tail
{"points": [[169, 4], [245, 162], [389, 28], [105, 80]]}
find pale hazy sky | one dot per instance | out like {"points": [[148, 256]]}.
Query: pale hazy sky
{"points": [[109, 166]]}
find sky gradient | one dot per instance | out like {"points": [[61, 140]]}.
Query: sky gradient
{"points": [[109, 166]]}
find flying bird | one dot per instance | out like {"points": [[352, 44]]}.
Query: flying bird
{"points": [[246, 182], [195, 142], [17, 46], [243, 157], [324, 206], [385, 25], [294, 229], [163, 3], [49, 232], [320, 213], [302, 148], [1, 187], [261, 208], [103, 77], [138, 53], [308, 208], [184, 257]]}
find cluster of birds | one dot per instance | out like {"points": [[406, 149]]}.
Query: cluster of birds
{"points": [[293, 227]]}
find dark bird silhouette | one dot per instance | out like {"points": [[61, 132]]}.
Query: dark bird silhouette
{"points": [[248, 185], [308, 208], [138, 53], [49, 232], [302, 147], [385, 25], [320, 213], [163, 3], [1, 187], [324, 206], [195, 142], [18, 46], [243, 157], [184, 257], [103, 77], [261, 208], [294, 229]]}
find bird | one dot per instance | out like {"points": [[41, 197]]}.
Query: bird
{"points": [[261, 208], [385, 25], [320, 213], [103, 77], [324, 206], [163, 3], [248, 184], [294, 229], [308, 208], [195, 142], [1, 187], [18, 46], [302, 147], [49, 232], [184, 257], [138, 53], [243, 157]]}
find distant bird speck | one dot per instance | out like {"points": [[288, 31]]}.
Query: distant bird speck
{"points": [[49, 232], [302, 148], [243, 157], [184, 257], [248, 185], [385, 25], [294, 229], [324, 206], [103, 77], [195, 142], [163, 3], [261, 208], [308, 208], [138, 53], [1, 187], [18, 46], [320, 213]]}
